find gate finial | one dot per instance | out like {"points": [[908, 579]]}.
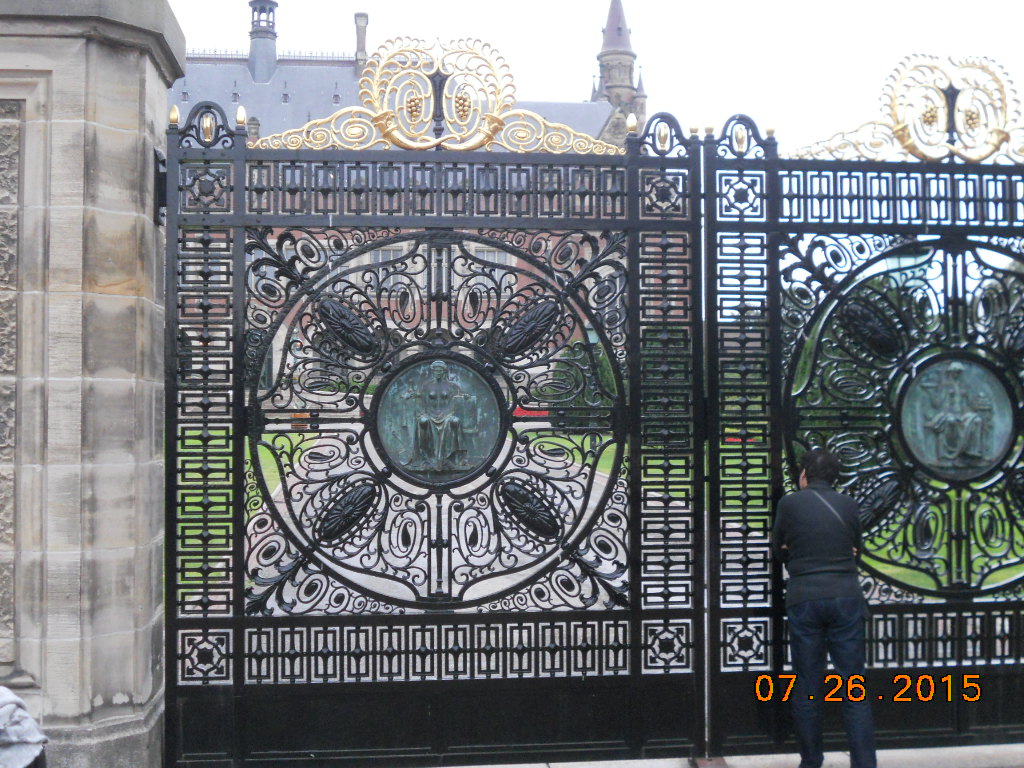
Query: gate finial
{"points": [[937, 110], [455, 96]]}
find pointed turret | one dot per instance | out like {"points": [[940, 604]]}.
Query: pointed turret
{"points": [[640, 100], [616, 33], [616, 60], [615, 83]]}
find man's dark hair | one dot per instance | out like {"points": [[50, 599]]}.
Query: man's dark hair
{"points": [[820, 464]]}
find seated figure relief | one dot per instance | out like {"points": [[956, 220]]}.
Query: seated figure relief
{"points": [[440, 442], [959, 419]]}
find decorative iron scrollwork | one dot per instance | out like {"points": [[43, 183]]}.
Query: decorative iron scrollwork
{"points": [[207, 127], [431, 426], [455, 96], [903, 363], [740, 138], [937, 110], [663, 137]]}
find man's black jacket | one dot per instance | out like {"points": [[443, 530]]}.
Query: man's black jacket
{"points": [[816, 546]]}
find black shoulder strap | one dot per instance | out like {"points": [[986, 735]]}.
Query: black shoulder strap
{"points": [[833, 511]]}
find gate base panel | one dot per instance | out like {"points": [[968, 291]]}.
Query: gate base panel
{"points": [[456, 724]]}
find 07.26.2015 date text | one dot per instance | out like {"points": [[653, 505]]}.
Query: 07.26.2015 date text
{"points": [[923, 687]]}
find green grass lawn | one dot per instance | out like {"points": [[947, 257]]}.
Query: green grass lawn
{"points": [[577, 446], [219, 441]]}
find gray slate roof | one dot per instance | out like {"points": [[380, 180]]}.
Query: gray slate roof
{"points": [[305, 87], [311, 86], [319, 87]]}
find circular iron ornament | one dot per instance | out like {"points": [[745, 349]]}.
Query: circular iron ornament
{"points": [[957, 419], [439, 421], [905, 361], [430, 429]]}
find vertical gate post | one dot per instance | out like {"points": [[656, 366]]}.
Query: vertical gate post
{"points": [[777, 478], [238, 446], [205, 340], [740, 208], [668, 386], [633, 145], [82, 89], [712, 430]]}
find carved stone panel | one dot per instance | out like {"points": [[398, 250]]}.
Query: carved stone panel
{"points": [[7, 417], [6, 508], [10, 152], [6, 608], [8, 247], [8, 332], [10, 145]]}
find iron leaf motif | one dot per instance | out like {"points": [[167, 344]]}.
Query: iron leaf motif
{"points": [[258, 600], [870, 328], [878, 499], [617, 592], [531, 510], [1015, 490], [1015, 341], [531, 326], [344, 325], [346, 513]]}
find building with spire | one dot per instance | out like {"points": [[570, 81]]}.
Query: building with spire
{"points": [[615, 81], [281, 91]]}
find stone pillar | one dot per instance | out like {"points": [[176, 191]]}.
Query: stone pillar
{"points": [[83, 95]]}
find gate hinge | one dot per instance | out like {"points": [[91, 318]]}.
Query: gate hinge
{"points": [[159, 188]]}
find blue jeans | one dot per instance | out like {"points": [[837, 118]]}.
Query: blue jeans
{"points": [[835, 626]]}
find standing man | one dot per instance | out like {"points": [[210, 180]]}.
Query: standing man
{"points": [[817, 535]]}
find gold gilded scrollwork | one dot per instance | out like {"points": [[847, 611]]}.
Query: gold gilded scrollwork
{"points": [[400, 90], [935, 110]]}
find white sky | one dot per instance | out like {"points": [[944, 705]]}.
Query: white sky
{"points": [[806, 68]]}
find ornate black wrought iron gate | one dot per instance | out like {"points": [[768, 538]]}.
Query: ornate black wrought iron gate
{"points": [[472, 457], [876, 309]]}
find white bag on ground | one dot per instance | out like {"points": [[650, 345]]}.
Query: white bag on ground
{"points": [[21, 741]]}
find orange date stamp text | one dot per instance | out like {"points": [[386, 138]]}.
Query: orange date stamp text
{"points": [[923, 687]]}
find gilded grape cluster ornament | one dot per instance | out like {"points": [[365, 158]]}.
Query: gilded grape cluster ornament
{"points": [[936, 109], [455, 96]]}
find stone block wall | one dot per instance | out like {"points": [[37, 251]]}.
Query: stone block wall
{"points": [[83, 87]]}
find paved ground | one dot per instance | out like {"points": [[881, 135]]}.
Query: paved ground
{"points": [[1000, 756]]}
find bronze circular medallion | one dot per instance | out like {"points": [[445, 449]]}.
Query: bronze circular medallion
{"points": [[439, 422], [957, 418]]}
